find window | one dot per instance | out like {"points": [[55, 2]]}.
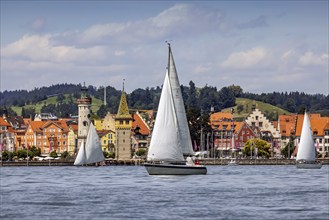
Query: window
{"points": [[104, 141], [64, 143], [59, 136], [121, 122], [260, 124], [64, 135], [256, 117], [127, 122], [39, 136]]}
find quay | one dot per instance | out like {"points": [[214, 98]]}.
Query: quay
{"points": [[138, 162]]}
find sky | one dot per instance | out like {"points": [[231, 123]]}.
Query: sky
{"points": [[262, 46]]}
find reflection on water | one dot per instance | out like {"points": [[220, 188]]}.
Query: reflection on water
{"points": [[122, 192]]}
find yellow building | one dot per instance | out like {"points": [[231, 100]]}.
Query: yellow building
{"points": [[72, 138], [98, 124], [107, 138]]}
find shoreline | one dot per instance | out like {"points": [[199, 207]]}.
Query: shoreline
{"points": [[140, 162]]}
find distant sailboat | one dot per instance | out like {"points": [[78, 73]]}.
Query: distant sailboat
{"points": [[91, 152], [306, 154], [171, 136], [233, 161]]}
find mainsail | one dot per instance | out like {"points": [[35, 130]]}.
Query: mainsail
{"points": [[183, 129], [306, 149], [165, 141], [92, 151]]}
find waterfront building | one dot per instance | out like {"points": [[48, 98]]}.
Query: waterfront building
{"points": [[140, 132], [225, 128], [107, 138], [320, 130], [48, 136], [7, 136], [287, 128], [72, 138], [108, 123], [123, 125], [267, 131]]}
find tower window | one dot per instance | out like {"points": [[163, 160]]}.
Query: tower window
{"points": [[85, 123]]}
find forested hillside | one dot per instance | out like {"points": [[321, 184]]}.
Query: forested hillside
{"points": [[61, 100]]}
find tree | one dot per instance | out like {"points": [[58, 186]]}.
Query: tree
{"points": [[236, 90], [65, 155], [240, 108], [197, 121], [60, 98], [28, 112], [288, 150], [102, 111], [141, 152], [53, 154], [263, 148], [35, 151]]}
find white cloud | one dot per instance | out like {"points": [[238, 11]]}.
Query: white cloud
{"points": [[38, 24], [42, 48], [311, 59], [246, 59]]}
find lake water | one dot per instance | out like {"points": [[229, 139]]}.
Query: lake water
{"points": [[128, 192]]}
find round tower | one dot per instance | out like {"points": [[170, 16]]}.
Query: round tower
{"points": [[84, 109]]}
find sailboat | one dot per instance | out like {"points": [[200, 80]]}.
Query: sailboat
{"points": [[306, 154], [233, 161], [91, 152], [171, 140]]}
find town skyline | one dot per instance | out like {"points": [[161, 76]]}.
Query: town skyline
{"points": [[260, 46]]}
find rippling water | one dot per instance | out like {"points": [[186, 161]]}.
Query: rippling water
{"points": [[128, 192]]}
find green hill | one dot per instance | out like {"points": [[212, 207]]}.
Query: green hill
{"points": [[96, 103], [244, 107]]}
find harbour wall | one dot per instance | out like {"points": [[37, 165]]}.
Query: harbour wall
{"points": [[136, 162]]}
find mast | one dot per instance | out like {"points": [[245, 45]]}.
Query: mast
{"points": [[183, 129]]}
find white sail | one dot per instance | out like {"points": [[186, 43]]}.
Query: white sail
{"points": [[92, 151], [165, 141], [306, 149], [81, 157], [183, 128]]}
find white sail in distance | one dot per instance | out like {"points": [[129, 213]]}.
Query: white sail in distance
{"points": [[92, 151], [306, 149]]}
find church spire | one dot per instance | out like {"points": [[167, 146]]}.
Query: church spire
{"points": [[123, 111]]}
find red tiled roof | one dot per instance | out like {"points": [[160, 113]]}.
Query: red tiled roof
{"points": [[138, 122], [287, 124], [318, 124], [220, 116], [3, 122]]}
